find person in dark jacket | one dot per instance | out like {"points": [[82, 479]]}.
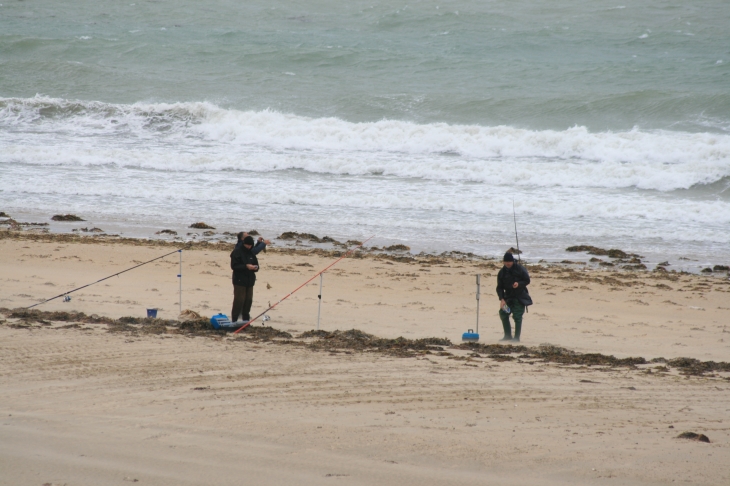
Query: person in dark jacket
{"points": [[244, 265], [512, 282]]}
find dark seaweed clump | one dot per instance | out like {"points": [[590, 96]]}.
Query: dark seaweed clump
{"points": [[553, 354], [264, 333], [692, 366], [292, 235], [357, 340], [694, 436], [201, 225], [593, 250], [66, 217], [34, 315]]}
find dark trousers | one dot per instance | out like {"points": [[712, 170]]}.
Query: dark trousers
{"points": [[242, 301], [517, 310]]}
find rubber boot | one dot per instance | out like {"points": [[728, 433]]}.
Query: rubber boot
{"points": [[518, 311], [505, 325]]}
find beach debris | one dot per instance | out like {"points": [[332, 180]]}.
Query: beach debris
{"points": [[397, 248], [514, 251], [167, 232], [253, 232], [292, 235], [694, 436], [89, 230], [201, 225], [594, 250], [3, 214], [189, 315], [720, 268], [707, 270], [663, 264], [66, 217], [357, 340], [17, 224], [639, 266]]}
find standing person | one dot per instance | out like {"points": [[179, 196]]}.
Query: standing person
{"points": [[244, 265], [512, 282]]}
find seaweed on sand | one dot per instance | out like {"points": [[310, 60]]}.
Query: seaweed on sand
{"points": [[357, 340], [694, 436], [66, 217], [553, 354], [34, 315]]}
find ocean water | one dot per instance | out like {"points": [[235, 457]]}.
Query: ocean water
{"points": [[423, 123]]}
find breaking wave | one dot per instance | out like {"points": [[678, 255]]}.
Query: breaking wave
{"points": [[201, 136]]}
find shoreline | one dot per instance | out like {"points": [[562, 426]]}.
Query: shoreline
{"points": [[307, 243], [185, 235]]}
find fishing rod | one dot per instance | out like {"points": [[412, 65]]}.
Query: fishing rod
{"points": [[105, 278], [514, 215], [305, 283]]}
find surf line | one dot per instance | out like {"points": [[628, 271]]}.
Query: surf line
{"points": [[107, 278], [305, 283]]}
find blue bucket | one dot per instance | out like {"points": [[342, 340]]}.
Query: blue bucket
{"points": [[152, 313]]}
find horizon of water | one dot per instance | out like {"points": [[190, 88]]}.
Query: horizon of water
{"points": [[423, 123]]}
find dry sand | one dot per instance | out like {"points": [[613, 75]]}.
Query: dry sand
{"points": [[80, 405]]}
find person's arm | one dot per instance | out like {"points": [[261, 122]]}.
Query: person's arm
{"points": [[258, 247]]}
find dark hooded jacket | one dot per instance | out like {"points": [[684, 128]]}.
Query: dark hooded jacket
{"points": [[508, 276], [240, 257]]}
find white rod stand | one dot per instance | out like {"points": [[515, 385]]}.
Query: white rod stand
{"points": [[319, 309], [479, 283], [179, 275]]}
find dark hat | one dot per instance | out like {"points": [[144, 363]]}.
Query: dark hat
{"points": [[248, 240], [508, 257]]}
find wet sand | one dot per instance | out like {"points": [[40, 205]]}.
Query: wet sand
{"points": [[81, 405]]}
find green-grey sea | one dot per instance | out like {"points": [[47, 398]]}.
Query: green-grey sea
{"points": [[606, 123]]}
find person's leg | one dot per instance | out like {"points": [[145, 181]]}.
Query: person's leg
{"points": [[247, 302], [505, 325], [238, 297], [517, 311]]}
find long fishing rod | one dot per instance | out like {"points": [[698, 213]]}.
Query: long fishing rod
{"points": [[305, 283], [514, 215], [105, 278]]}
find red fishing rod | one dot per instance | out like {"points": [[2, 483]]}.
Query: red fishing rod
{"points": [[305, 283]]}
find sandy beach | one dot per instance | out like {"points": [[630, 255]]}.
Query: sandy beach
{"points": [[105, 403]]}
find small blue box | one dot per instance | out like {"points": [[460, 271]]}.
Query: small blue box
{"points": [[470, 336], [152, 313], [219, 319]]}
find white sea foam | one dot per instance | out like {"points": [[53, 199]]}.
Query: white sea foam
{"points": [[200, 136]]}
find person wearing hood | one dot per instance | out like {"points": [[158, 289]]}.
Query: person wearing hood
{"points": [[244, 265], [512, 282]]}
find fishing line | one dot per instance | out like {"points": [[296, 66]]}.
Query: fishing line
{"points": [[514, 215], [305, 283], [106, 278]]}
